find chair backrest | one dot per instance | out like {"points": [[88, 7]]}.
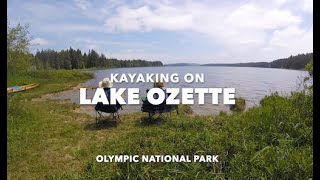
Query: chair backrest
{"points": [[163, 103], [107, 108]]}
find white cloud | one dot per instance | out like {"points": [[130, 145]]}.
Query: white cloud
{"points": [[92, 46], [135, 50], [246, 23], [39, 41], [308, 6], [71, 28], [139, 54], [247, 30], [109, 42], [260, 18], [145, 19], [82, 4], [293, 39], [279, 3], [241, 30], [197, 16]]}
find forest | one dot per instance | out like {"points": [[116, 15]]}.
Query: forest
{"points": [[75, 59], [293, 62]]}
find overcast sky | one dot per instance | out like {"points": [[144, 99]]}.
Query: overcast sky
{"points": [[208, 31]]}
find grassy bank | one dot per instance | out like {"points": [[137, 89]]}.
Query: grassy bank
{"points": [[50, 81], [50, 139]]}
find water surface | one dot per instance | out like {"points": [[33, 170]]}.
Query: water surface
{"points": [[252, 84]]}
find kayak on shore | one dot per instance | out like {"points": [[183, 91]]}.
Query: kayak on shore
{"points": [[13, 89]]}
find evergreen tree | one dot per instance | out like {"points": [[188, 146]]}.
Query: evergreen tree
{"points": [[73, 59]]}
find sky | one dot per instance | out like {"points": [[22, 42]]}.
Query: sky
{"points": [[172, 31]]}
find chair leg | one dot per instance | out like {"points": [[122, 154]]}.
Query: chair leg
{"points": [[100, 117], [118, 116], [113, 116], [97, 119], [162, 115]]}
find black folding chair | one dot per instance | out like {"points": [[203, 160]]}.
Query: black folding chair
{"points": [[159, 111], [107, 112], [162, 110]]}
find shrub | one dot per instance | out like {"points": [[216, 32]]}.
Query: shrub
{"points": [[240, 105], [185, 109]]}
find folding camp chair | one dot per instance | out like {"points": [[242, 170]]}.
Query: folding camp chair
{"points": [[162, 110], [103, 109]]}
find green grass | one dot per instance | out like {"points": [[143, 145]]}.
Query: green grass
{"points": [[51, 81], [48, 139]]}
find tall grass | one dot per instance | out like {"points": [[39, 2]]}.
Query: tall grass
{"points": [[273, 141]]}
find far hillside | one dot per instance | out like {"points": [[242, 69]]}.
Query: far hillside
{"points": [[183, 64], [293, 62]]}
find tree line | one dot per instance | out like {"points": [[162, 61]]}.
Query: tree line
{"points": [[293, 62], [75, 59]]}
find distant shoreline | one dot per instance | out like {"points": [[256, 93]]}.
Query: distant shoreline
{"points": [[93, 69], [233, 67], [297, 62]]}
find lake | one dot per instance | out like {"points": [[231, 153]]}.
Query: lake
{"points": [[252, 84]]}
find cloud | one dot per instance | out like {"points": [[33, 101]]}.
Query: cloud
{"points": [[259, 18], [138, 54], [145, 19], [39, 41], [300, 40], [135, 50], [240, 30], [107, 42], [71, 28], [82, 4], [92, 46], [197, 17], [308, 6], [245, 24], [279, 3]]}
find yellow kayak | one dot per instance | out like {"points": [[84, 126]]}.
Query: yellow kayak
{"points": [[22, 88]]}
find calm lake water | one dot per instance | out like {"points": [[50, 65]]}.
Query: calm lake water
{"points": [[250, 83]]}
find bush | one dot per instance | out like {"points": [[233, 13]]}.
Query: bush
{"points": [[185, 109], [240, 105]]}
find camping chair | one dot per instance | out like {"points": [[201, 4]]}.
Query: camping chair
{"points": [[103, 109], [162, 110]]}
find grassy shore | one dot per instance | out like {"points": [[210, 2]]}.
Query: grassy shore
{"points": [[50, 81], [51, 139]]}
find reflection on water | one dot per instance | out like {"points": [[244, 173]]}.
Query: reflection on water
{"points": [[250, 83]]}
